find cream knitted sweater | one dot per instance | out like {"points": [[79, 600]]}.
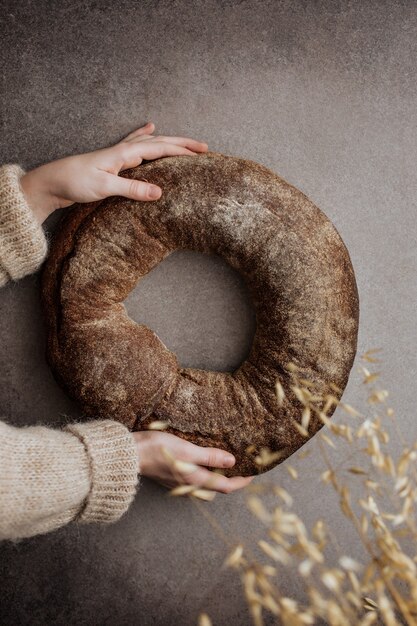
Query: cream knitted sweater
{"points": [[84, 472]]}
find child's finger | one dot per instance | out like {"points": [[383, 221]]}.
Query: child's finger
{"points": [[148, 129], [211, 457], [138, 138], [131, 188], [131, 154], [203, 477], [152, 150], [187, 142]]}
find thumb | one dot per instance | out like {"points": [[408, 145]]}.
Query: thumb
{"points": [[132, 188]]}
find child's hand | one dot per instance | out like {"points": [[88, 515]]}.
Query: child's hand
{"points": [[154, 464], [94, 175]]}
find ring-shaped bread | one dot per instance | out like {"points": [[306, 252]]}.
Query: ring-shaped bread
{"points": [[294, 263]]}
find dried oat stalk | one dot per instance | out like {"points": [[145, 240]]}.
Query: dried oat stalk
{"points": [[382, 588]]}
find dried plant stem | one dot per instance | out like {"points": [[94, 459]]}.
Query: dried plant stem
{"points": [[391, 588], [214, 523], [335, 595]]}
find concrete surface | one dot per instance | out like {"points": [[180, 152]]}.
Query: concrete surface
{"points": [[323, 93]]}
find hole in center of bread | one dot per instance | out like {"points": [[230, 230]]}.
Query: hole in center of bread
{"points": [[200, 308]]}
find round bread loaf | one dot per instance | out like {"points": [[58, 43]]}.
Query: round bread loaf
{"points": [[294, 263]]}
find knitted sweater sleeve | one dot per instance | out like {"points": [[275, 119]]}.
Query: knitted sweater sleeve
{"points": [[84, 472]]}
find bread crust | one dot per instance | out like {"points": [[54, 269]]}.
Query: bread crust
{"points": [[298, 272]]}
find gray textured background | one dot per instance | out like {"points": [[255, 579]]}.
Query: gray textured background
{"points": [[323, 93]]}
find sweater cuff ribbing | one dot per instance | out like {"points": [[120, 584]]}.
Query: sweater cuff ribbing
{"points": [[113, 466], [23, 244]]}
